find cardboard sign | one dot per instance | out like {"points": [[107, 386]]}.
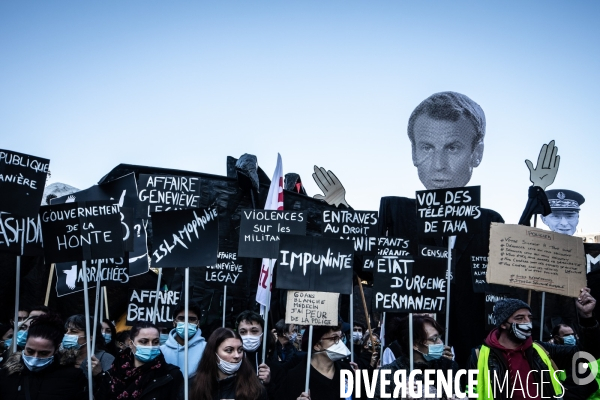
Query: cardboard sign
{"points": [[69, 276], [360, 226], [22, 182], [404, 284], [81, 231], [315, 264], [21, 235], [385, 246], [185, 238], [448, 212], [158, 193], [227, 270], [490, 300], [141, 306], [260, 231], [532, 258], [312, 308]]}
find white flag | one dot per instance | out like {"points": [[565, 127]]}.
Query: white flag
{"points": [[274, 202]]}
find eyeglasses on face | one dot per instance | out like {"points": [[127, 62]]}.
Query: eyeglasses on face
{"points": [[335, 338]]}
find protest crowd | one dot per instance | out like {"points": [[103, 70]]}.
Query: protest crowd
{"points": [[344, 297]]}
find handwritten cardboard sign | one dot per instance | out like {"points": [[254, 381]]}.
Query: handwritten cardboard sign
{"points": [[158, 193], [69, 275], [315, 264], [141, 305], [86, 230], [21, 235], [312, 308], [260, 231], [22, 182], [447, 212], [360, 226], [185, 238], [531, 258]]}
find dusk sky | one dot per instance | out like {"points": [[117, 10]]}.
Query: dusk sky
{"points": [[183, 85]]}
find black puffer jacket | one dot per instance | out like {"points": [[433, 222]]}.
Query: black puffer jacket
{"points": [[225, 389], [55, 382]]}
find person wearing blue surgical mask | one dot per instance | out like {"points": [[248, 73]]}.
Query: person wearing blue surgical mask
{"points": [[141, 371], [109, 333], [37, 372], [74, 347], [428, 349], [286, 338], [173, 349], [564, 334]]}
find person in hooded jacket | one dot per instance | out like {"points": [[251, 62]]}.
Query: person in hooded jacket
{"points": [[140, 372], [173, 349], [224, 372], [250, 326], [327, 352], [36, 372]]}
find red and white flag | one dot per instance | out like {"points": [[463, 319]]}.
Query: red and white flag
{"points": [[274, 202]]}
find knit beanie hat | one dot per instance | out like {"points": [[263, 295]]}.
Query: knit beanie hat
{"points": [[504, 308]]}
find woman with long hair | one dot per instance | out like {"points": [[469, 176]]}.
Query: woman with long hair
{"points": [[36, 372], [109, 333], [140, 371], [224, 372]]}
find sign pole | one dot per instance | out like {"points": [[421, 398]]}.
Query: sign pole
{"points": [[310, 338], [362, 294], [185, 350], [543, 295], [266, 318], [410, 341], [154, 315], [17, 290], [86, 301], [224, 303], [352, 324], [106, 301], [448, 276], [96, 306], [101, 307], [49, 284]]}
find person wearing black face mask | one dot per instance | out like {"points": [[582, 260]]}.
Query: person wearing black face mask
{"points": [[36, 373], [530, 369]]}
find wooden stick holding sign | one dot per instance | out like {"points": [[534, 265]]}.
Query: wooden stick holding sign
{"points": [[96, 305], [86, 302], [266, 318], [47, 299], [311, 308], [448, 281], [362, 295], [155, 314], [17, 290]]}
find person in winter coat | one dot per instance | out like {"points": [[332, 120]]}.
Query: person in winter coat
{"points": [[250, 326], [429, 353], [224, 372], [173, 349], [140, 372], [36, 372], [324, 384], [512, 366], [109, 333]]}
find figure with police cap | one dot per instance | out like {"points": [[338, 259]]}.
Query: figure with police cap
{"points": [[512, 366], [565, 206]]}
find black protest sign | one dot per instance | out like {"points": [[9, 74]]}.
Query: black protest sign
{"points": [[260, 231], [386, 246], [185, 238], [592, 257], [21, 235], [121, 191], [69, 275], [142, 303], [315, 264], [22, 182], [81, 231], [478, 271], [227, 271], [448, 212], [361, 226], [490, 300], [158, 193]]}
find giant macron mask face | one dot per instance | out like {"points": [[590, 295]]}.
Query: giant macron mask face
{"points": [[444, 152]]}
